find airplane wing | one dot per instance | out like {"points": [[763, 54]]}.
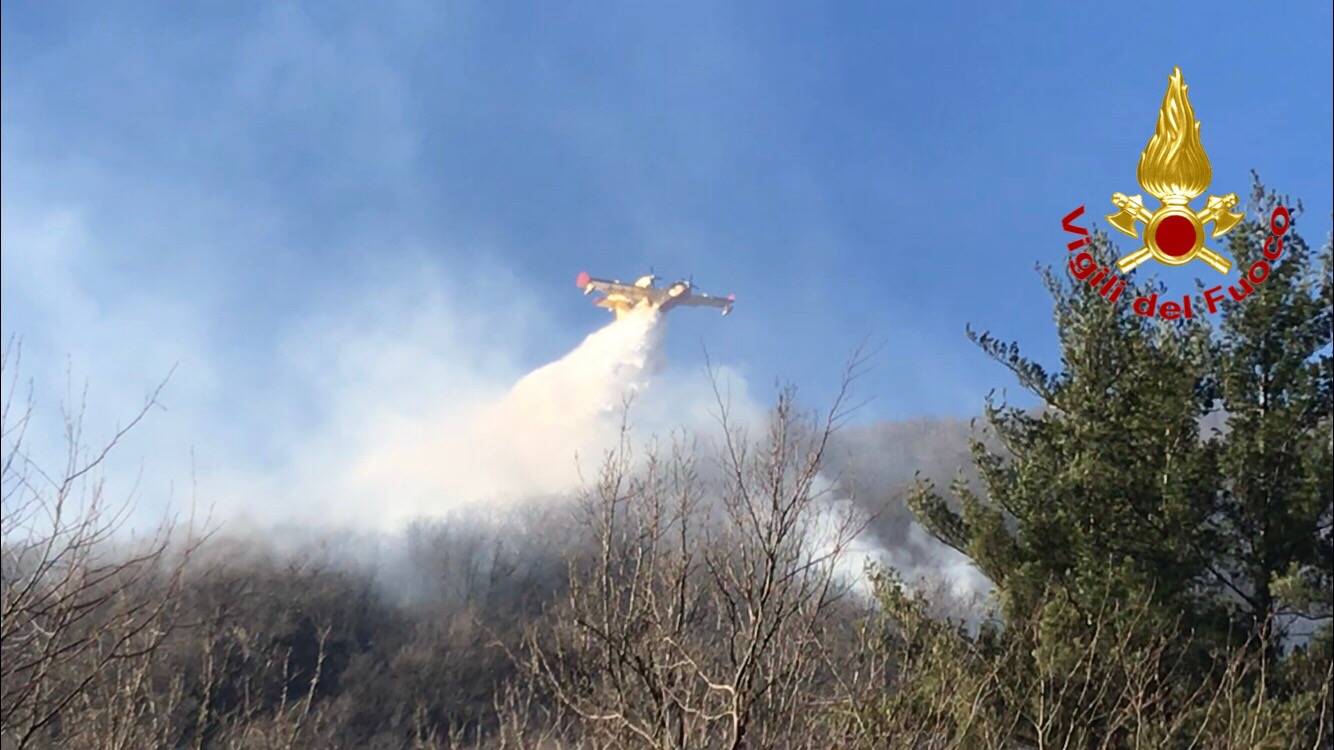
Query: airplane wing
{"points": [[618, 292], [610, 286], [700, 299]]}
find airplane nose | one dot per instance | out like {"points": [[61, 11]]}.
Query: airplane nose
{"points": [[582, 279]]}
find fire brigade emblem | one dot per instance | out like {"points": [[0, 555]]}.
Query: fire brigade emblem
{"points": [[1174, 169]]}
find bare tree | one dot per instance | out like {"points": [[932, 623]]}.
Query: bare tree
{"points": [[76, 602], [699, 618]]}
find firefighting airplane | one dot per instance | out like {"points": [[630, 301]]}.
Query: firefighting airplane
{"points": [[621, 298]]}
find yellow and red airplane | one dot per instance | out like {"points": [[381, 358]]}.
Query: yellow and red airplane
{"points": [[621, 298]]}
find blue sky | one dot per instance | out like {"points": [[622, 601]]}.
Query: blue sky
{"points": [[204, 183]]}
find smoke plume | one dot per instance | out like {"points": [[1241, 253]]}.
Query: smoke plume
{"points": [[552, 429], [553, 426]]}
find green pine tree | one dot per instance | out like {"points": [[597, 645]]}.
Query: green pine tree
{"points": [[1274, 385], [1130, 544], [1106, 487]]}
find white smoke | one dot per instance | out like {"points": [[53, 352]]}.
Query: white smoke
{"points": [[401, 404], [554, 425], [945, 572], [550, 432]]}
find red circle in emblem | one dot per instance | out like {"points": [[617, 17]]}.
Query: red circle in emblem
{"points": [[1175, 236]]}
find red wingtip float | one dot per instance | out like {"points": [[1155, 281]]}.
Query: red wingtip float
{"points": [[621, 298]]}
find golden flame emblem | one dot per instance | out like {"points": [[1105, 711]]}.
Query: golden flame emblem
{"points": [[1174, 169]]}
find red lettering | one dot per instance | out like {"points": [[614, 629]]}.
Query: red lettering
{"points": [[1112, 279], [1082, 265], [1120, 287], [1070, 217], [1273, 219], [1110, 286]]}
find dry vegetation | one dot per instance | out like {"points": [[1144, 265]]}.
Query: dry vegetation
{"points": [[690, 598]]}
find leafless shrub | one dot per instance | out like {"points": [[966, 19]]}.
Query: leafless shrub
{"points": [[1117, 682], [78, 605], [699, 615], [694, 598]]}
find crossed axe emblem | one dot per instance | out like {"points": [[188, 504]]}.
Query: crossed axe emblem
{"points": [[1174, 234]]}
